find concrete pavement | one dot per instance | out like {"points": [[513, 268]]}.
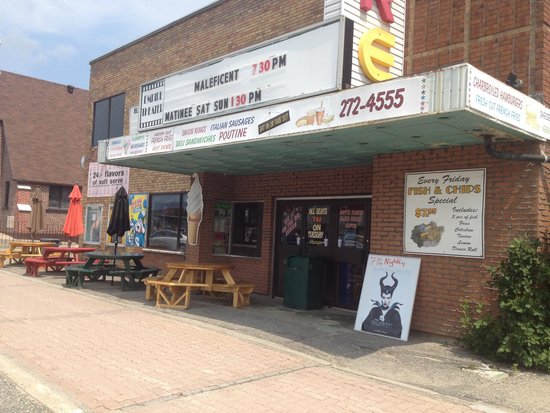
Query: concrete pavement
{"points": [[101, 349]]}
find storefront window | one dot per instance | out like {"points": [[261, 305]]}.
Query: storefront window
{"points": [[351, 226], [168, 222], [237, 228]]}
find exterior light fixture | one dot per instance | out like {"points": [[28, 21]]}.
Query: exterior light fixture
{"points": [[512, 80]]}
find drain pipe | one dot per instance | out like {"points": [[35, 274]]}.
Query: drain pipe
{"points": [[491, 150]]}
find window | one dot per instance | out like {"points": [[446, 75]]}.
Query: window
{"points": [[7, 195], [351, 226], [168, 222], [108, 118], [59, 197], [237, 228]]}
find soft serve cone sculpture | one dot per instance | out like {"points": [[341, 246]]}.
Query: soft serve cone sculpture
{"points": [[194, 211]]}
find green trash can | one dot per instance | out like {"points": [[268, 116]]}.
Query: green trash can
{"points": [[304, 279]]}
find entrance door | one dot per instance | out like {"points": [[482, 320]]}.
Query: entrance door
{"points": [[336, 230]]}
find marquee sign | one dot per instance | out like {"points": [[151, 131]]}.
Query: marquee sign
{"points": [[301, 65], [392, 99]]}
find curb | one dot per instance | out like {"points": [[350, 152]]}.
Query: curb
{"points": [[54, 400]]}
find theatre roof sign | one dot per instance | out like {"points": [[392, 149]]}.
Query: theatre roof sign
{"points": [[451, 107], [378, 37]]}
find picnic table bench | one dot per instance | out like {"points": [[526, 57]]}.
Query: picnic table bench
{"points": [[55, 258], [182, 279], [103, 264], [19, 251]]}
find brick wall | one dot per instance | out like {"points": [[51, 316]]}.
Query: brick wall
{"points": [[267, 188], [512, 204], [53, 220], [227, 27], [496, 36]]}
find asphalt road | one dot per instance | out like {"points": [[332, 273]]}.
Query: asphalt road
{"points": [[15, 400]]}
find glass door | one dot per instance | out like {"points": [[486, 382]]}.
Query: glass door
{"points": [[334, 230], [351, 252], [289, 242]]}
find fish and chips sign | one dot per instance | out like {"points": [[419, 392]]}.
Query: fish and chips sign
{"points": [[444, 213]]}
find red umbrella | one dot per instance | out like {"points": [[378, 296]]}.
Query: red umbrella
{"points": [[73, 222]]}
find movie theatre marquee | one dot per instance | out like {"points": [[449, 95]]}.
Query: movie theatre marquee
{"points": [[299, 65]]}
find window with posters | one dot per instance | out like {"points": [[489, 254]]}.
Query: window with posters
{"points": [[138, 220], [351, 226], [92, 234], [291, 225], [237, 228], [317, 225]]}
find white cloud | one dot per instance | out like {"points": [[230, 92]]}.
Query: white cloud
{"points": [[70, 17], [40, 38]]}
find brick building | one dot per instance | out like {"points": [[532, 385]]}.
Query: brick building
{"points": [[333, 131], [42, 136]]}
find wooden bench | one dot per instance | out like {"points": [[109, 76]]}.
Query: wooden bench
{"points": [[75, 275], [176, 291], [170, 294], [151, 287], [9, 254], [18, 251], [241, 292], [33, 264]]}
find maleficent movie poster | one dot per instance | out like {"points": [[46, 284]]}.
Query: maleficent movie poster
{"points": [[387, 297]]}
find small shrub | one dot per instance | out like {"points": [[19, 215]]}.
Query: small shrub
{"points": [[520, 332]]}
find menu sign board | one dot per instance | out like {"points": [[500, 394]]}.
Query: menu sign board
{"points": [[444, 213], [489, 95], [392, 99]]}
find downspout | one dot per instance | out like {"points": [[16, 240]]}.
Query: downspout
{"points": [[491, 150]]}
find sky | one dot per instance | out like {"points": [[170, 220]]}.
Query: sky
{"points": [[55, 40]]}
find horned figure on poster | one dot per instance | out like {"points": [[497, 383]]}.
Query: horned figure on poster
{"points": [[384, 318]]}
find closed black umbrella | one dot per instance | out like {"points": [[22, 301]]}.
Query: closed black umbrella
{"points": [[120, 217]]}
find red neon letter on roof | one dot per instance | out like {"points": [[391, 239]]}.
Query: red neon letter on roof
{"points": [[384, 7]]}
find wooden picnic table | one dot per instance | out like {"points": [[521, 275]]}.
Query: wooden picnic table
{"points": [[56, 258], [18, 251], [174, 289], [126, 265]]}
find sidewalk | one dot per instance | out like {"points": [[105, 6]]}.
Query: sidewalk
{"points": [[101, 349]]}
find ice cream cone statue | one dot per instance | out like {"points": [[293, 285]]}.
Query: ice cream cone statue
{"points": [[194, 210]]}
